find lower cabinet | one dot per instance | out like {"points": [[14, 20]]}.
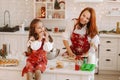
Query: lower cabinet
{"points": [[17, 42], [118, 57], [11, 75], [16, 75], [48, 76], [109, 56], [67, 77], [74, 77]]}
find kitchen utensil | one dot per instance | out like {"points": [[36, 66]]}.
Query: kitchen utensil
{"points": [[53, 54]]}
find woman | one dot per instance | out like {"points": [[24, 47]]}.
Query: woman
{"points": [[39, 43], [81, 36]]}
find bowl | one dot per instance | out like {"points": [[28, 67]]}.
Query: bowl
{"points": [[53, 54]]}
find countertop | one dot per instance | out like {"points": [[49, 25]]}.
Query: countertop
{"points": [[114, 35], [67, 69], [26, 33]]}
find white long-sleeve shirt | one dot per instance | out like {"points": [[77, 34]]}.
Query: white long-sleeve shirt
{"points": [[69, 29], [35, 45]]}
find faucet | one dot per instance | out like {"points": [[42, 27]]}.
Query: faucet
{"points": [[6, 12]]}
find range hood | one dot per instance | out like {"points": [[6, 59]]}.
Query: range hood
{"points": [[88, 0]]}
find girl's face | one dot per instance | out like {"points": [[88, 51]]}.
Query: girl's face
{"points": [[39, 29], [85, 17]]}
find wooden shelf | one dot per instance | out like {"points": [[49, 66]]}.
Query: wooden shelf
{"points": [[49, 11]]}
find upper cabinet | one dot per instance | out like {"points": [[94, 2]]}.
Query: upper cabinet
{"points": [[113, 11], [88, 0], [49, 9], [113, 1]]}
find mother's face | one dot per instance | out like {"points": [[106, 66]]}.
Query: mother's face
{"points": [[85, 17]]}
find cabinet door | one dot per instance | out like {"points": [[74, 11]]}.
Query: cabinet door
{"points": [[16, 44], [11, 75], [13, 42], [48, 76], [67, 77], [108, 54], [118, 57], [1, 40], [23, 43]]}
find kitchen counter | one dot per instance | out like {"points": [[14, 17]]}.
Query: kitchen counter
{"points": [[26, 33], [67, 70], [68, 67], [110, 35], [57, 34]]}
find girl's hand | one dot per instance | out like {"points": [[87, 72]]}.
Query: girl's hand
{"points": [[30, 41]]}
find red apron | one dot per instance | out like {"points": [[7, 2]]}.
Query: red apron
{"points": [[80, 44], [36, 61]]}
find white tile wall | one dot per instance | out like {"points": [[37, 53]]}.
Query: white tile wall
{"points": [[23, 9]]}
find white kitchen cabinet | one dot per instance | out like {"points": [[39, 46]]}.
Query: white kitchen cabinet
{"points": [[48, 76], [14, 73], [44, 9], [109, 53], [112, 10], [16, 42], [118, 57], [6, 74], [113, 1], [73, 77], [1, 39], [67, 77]]}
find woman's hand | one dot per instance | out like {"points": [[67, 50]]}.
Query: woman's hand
{"points": [[85, 55], [72, 55]]}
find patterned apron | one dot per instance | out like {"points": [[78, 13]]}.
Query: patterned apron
{"points": [[36, 61], [80, 44]]}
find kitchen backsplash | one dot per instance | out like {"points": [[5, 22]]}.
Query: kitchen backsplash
{"points": [[23, 10]]}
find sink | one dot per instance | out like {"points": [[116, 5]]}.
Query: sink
{"points": [[6, 28]]}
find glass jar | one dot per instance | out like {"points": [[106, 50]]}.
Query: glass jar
{"points": [[77, 65]]}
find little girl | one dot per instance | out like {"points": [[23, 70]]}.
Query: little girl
{"points": [[39, 43]]}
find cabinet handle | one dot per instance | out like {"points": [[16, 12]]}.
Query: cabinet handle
{"points": [[108, 41], [108, 49], [108, 60], [33, 78], [118, 54], [64, 48]]}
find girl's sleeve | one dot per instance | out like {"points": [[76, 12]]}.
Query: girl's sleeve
{"points": [[48, 46]]}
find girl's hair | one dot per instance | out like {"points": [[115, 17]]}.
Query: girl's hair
{"points": [[32, 30], [91, 25]]}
